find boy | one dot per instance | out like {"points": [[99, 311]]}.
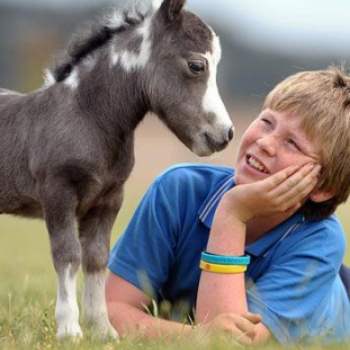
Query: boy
{"points": [[291, 172]]}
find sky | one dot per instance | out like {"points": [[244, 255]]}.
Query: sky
{"points": [[291, 27]]}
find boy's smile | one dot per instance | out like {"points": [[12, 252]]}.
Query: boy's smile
{"points": [[274, 141], [257, 164]]}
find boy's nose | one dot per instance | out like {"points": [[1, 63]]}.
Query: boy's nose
{"points": [[268, 144]]}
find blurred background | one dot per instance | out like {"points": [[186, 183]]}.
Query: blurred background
{"points": [[262, 42]]}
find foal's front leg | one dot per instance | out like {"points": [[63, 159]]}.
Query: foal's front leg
{"points": [[94, 233], [59, 205]]}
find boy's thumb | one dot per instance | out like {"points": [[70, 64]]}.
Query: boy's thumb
{"points": [[253, 318]]}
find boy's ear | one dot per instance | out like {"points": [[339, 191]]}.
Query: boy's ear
{"points": [[171, 9], [319, 196]]}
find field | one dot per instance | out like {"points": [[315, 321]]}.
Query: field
{"points": [[28, 283]]}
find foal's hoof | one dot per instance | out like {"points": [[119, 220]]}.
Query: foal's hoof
{"points": [[72, 333]]}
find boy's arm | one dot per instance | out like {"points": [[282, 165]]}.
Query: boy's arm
{"points": [[281, 193], [225, 293], [125, 304]]}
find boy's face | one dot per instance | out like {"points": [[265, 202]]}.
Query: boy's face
{"points": [[271, 143]]}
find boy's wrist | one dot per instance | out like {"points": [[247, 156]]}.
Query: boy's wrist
{"points": [[232, 210], [228, 234]]}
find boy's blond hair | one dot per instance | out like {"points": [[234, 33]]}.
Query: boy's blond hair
{"points": [[322, 98]]}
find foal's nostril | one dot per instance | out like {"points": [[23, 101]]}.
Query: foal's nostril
{"points": [[230, 134], [214, 144]]}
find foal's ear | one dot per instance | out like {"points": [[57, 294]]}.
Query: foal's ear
{"points": [[172, 8]]}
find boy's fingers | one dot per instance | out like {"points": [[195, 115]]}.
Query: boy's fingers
{"points": [[276, 179], [237, 327], [299, 194], [300, 191], [243, 330], [253, 318], [297, 182], [245, 326], [241, 337]]}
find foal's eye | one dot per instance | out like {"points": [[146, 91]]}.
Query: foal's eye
{"points": [[197, 67]]}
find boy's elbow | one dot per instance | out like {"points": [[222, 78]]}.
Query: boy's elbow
{"points": [[124, 304], [122, 317], [114, 310]]}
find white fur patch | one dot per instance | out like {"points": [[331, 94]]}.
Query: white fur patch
{"points": [[115, 20], [156, 4], [89, 62], [94, 304], [67, 311], [73, 80], [94, 295], [130, 60], [113, 55], [212, 101], [135, 12], [49, 79]]}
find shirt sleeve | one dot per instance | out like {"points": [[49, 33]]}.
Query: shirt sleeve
{"points": [[290, 296], [144, 253]]}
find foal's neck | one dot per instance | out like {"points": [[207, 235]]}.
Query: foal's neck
{"points": [[110, 97]]}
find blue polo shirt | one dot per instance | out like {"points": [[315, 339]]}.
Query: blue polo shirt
{"points": [[293, 278]]}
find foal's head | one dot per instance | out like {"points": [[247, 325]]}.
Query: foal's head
{"points": [[181, 79], [174, 56]]}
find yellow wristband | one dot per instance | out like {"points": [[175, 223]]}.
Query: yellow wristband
{"points": [[222, 268]]}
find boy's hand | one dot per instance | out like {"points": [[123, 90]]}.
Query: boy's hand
{"points": [[280, 194], [238, 327]]}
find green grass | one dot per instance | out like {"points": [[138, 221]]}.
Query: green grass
{"points": [[28, 291]]}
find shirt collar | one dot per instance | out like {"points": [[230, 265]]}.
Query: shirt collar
{"points": [[207, 210], [262, 245]]}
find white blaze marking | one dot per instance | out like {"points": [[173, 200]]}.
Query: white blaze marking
{"points": [[67, 311], [73, 80], [130, 60], [217, 48], [212, 101], [94, 303]]}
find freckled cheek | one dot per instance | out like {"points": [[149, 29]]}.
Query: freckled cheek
{"points": [[287, 160], [247, 140], [244, 145]]}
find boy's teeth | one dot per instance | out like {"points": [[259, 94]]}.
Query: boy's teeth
{"points": [[256, 164]]}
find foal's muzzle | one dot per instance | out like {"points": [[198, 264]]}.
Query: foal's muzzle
{"points": [[215, 144]]}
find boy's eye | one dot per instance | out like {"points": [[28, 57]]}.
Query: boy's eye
{"points": [[266, 121], [294, 144]]}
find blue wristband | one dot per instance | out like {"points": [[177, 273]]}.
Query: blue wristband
{"points": [[225, 260]]}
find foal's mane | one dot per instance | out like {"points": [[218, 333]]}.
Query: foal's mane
{"points": [[83, 44]]}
